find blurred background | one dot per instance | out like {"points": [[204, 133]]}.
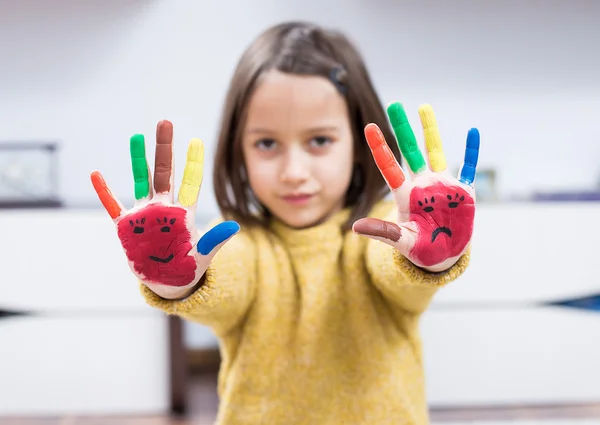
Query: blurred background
{"points": [[514, 339]]}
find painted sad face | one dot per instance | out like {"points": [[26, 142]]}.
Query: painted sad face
{"points": [[444, 215], [158, 243]]}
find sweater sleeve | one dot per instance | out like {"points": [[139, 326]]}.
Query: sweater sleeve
{"points": [[403, 283], [226, 291]]}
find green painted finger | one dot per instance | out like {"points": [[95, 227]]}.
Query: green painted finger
{"points": [[406, 138], [139, 166]]}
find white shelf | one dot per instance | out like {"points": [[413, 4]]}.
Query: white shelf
{"points": [[92, 345]]}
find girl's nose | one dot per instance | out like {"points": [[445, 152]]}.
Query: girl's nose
{"points": [[295, 169]]}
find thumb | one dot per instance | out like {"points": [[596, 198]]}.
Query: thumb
{"points": [[217, 236], [383, 231]]}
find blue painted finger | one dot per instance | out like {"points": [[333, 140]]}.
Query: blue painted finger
{"points": [[467, 174], [218, 234]]}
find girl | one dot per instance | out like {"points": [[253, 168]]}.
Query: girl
{"points": [[316, 297]]}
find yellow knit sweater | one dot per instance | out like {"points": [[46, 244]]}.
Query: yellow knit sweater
{"points": [[316, 326]]}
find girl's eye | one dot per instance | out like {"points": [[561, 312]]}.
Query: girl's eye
{"points": [[320, 141], [265, 144]]}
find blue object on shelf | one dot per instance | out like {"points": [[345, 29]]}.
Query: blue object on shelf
{"points": [[591, 303]]}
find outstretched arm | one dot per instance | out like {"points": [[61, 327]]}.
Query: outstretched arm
{"points": [[225, 292]]}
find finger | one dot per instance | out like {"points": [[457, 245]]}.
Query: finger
{"points": [[400, 238], [110, 203], [163, 159], [433, 140], [192, 174], [384, 157], [374, 227], [467, 173], [216, 236], [406, 138], [139, 165]]}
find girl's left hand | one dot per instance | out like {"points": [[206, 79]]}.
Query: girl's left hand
{"points": [[435, 210]]}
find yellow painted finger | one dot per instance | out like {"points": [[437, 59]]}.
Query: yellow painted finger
{"points": [[192, 174], [433, 140]]}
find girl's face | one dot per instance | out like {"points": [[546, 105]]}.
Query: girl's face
{"points": [[298, 147]]}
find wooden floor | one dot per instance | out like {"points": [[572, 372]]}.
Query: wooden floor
{"points": [[203, 404]]}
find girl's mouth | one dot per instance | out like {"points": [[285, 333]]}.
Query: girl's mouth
{"points": [[298, 199]]}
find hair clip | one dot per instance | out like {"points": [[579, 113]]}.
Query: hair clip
{"points": [[334, 76]]}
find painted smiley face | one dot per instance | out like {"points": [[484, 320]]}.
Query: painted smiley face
{"points": [[157, 241], [444, 215]]}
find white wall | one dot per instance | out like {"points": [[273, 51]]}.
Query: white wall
{"points": [[91, 73]]}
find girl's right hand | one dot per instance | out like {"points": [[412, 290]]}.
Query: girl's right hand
{"points": [[164, 248]]}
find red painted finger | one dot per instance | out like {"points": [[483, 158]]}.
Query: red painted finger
{"points": [[106, 197], [384, 157]]}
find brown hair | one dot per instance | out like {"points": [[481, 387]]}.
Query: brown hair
{"points": [[305, 49]]}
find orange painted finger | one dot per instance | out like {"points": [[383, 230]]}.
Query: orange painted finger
{"points": [[111, 205], [384, 157]]}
